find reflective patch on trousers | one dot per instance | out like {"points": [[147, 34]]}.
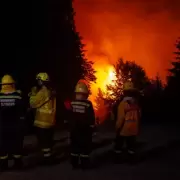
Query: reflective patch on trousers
{"points": [[47, 154], [75, 155], [17, 156], [118, 151], [3, 157], [46, 149], [84, 155], [131, 152]]}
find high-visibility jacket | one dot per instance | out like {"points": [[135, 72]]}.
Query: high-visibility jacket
{"points": [[128, 117], [45, 104]]}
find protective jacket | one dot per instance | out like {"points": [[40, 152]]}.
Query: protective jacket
{"points": [[128, 116], [45, 103], [11, 109], [82, 115]]}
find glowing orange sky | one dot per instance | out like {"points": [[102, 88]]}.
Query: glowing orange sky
{"points": [[136, 30], [133, 29]]}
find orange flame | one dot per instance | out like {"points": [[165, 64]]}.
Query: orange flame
{"points": [[105, 75]]}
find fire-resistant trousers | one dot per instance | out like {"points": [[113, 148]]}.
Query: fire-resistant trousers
{"points": [[128, 141], [81, 145], [11, 142], [45, 140]]}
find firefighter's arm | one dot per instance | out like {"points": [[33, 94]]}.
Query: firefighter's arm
{"points": [[37, 100], [54, 105], [120, 116], [92, 116]]}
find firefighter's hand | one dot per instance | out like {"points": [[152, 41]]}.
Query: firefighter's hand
{"points": [[34, 91]]}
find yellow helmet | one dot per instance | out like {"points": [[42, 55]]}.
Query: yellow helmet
{"points": [[128, 86], [82, 87], [7, 79], [42, 77]]}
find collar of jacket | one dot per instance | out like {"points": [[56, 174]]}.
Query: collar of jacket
{"points": [[127, 99]]}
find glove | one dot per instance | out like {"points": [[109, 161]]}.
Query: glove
{"points": [[34, 91]]}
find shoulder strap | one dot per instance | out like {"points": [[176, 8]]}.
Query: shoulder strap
{"points": [[45, 102]]}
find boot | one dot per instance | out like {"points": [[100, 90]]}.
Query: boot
{"points": [[75, 162], [18, 164], [131, 156], [118, 157], [85, 163], [48, 161], [3, 165]]}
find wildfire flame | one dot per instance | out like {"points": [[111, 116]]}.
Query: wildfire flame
{"points": [[105, 75]]}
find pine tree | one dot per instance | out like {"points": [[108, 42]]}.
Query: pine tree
{"points": [[175, 70], [101, 106], [99, 99], [77, 65], [174, 78]]}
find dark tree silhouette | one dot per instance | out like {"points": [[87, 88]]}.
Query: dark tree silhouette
{"points": [[174, 78], [125, 70], [76, 65], [99, 100], [173, 86], [101, 107]]}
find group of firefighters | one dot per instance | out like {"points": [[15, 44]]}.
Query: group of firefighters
{"points": [[81, 119]]}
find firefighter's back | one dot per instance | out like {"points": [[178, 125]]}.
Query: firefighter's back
{"points": [[81, 115], [10, 110]]}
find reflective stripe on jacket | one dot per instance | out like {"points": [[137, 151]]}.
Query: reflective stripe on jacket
{"points": [[45, 106], [128, 119]]}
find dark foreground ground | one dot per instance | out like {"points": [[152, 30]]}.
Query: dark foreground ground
{"points": [[164, 166], [158, 149]]}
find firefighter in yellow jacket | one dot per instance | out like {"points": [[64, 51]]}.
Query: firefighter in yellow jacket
{"points": [[127, 123], [12, 113], [43, 100]]}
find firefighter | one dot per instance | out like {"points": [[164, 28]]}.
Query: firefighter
{"points": [[128, 116], [81, 127], [11, 123], [43, 99]]}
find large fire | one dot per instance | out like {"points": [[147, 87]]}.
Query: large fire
{"points": [[105, 75], [144, 31]]}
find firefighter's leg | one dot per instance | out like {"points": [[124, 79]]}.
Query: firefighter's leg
{"points": [[86, 148], [45, 139], [3, 162], [119, 142], [74, 150], [118, 156], [131, 153], [4, 151], [17, 147], [131, 142]]}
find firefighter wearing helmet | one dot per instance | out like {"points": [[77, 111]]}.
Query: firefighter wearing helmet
{"points": [[127, 122], [43, 99], [11, 123], [81, 126]]}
